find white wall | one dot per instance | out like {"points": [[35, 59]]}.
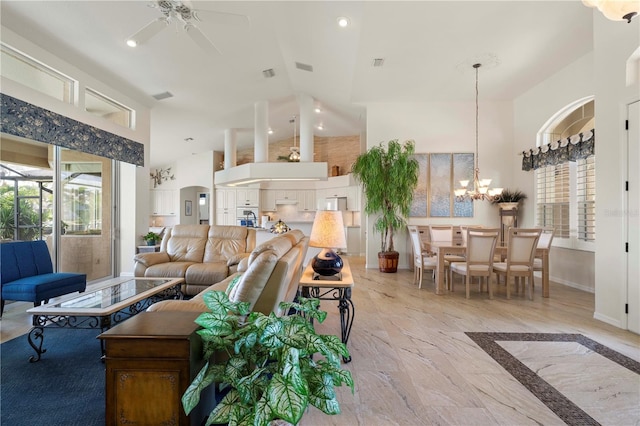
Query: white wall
{"points": [[614, 42], [532, 110], [444, 127], [135, 197]]}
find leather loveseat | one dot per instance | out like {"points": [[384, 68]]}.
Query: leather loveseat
{"points": [[201, 254], [268, 276]]}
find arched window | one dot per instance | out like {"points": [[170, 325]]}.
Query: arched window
{"points": [[566, 190]]}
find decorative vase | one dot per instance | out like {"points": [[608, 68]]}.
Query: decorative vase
{"points": [[388, 261]]}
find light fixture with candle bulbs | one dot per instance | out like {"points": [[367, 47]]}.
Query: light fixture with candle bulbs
{"points": [[480, 189], [616, 10]]}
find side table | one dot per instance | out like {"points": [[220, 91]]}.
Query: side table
{"points": [[332, 288], [150, 360]]}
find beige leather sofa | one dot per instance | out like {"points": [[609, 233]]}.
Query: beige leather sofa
{"points": [[269, 275], [201, 254]]}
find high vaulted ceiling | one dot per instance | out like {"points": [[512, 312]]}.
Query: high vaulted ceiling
{"points": [[428, 49]]}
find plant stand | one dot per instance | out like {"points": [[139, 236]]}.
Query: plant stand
{"points": [[508, 218]]}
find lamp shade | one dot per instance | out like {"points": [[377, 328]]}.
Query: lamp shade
{"points": [[328, 233], [328, 230]]}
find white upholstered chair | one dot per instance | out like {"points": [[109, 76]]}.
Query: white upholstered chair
{"points": [[481, 243], [421, 258], [444, 233], [521, 247], [545, 240]]}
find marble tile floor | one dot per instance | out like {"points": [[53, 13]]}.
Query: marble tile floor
{"points": [[414, 363]]}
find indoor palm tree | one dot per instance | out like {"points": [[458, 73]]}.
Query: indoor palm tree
{"points": [[389, 175]]}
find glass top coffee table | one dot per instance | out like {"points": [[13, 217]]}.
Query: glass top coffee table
{"points": [[101, 306]]}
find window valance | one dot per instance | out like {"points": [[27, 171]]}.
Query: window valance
{"points": [[23, 119], [573, 148]]}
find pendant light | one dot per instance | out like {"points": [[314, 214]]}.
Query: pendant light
{"points": [[294, 155], [480, 189]]}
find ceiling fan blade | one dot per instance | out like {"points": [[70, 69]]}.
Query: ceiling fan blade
{"points": [[223, 18], [200, 39], [148, 31]]}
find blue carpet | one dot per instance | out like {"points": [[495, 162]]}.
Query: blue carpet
{"points": [[66, 387]]}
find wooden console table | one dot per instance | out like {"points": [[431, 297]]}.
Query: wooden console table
{"points": [[151, 359]]}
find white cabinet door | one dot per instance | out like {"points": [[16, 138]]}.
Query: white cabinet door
{"points": [[247, 197], [307, 200], [225, 206], [336, 192], [353, 198], [321, 195], [163, 202], [286, 194], [353, 240], [268, 200]]}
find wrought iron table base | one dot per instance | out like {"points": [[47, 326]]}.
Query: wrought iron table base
{"points": [[345, 305], [102, 322]]}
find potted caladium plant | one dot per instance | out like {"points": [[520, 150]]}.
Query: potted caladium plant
{"points": [[267, 365]]}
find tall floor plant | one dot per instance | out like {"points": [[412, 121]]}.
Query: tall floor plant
{"points": [[389, 176]]}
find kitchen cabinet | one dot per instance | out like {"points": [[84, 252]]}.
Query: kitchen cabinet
{"points": [[247, 197], [287, 194], [353, 198], [225, 207], [163, 202], [268, 200], [307, 200]]}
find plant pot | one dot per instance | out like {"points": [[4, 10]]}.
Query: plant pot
{"points": [[388, 261], [508, 206], [151, 243]]}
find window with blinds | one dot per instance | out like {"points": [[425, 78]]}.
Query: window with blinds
{"points": [[586, 198], [553, 196]]}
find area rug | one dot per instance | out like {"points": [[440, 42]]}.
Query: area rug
{"points": [[564, 408], [66, 387]]}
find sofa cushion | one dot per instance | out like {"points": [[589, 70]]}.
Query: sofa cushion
{"points": [[44, 286], [255, 278], [225, 241], [207, 273], [185, 243], [168, 270], [24, 259], [279, 245], [195, 304]]}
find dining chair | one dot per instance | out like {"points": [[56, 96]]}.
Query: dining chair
{"points": [[444, 233], [481, 243], [544, 242], [521, 249], [421, 258]]}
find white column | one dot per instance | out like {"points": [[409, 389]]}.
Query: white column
{"points": [[230, 151], [305, 103], [261, 138]]}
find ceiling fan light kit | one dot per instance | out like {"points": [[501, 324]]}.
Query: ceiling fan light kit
{"points": [[176, 11], [616, 10]]}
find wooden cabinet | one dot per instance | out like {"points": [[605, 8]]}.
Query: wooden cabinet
{"points": [[247, 197], [307, 200], [163, 202], [150, 361], [225, 206]]}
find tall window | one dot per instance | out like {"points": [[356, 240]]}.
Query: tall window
{"points": [[566, 190]]}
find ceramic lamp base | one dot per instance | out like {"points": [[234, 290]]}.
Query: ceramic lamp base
{"points": [[327, 263]]}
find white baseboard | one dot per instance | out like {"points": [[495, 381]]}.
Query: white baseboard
{"points": [[568, 283], [611, 321]]}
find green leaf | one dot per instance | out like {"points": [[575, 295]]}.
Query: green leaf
{"points": [[191, 396], [222, 412], [262, 412], [286, 403], [235, 368], [216, 323], [218, 302], [334, 344]]}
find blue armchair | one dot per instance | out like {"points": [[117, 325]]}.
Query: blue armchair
{"points": [[27, 274]]}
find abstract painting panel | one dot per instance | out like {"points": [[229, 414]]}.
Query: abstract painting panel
{"points": [[440, 185], [463, 170], [419, 203]]}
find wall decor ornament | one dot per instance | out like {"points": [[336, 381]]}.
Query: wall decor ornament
{"points": [[161, 175]]}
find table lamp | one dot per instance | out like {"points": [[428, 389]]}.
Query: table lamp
{"points": [[327, 233]]}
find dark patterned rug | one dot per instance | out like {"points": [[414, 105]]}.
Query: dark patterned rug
{"points": [[564, 408], [66, 387]]}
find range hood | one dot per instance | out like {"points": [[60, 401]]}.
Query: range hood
{"points": [[250, 173]]}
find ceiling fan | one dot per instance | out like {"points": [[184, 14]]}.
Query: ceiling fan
{"points": [[179, 12]]}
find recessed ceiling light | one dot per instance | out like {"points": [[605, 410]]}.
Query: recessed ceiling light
{"points": [[188, 139], [318, 110], [320, 126], [270, 131], [343, 21], [132, 43]]}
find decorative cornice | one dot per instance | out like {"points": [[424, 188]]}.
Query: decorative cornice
{"points": [[20, 118]]}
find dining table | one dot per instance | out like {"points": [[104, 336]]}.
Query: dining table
{"points": [[443, 248]]}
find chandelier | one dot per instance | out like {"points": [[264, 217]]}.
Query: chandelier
{"points": [[616, 10], [480, 189], [294, 155]]}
